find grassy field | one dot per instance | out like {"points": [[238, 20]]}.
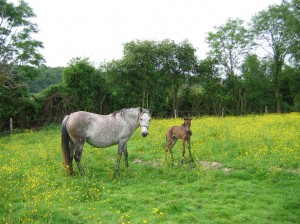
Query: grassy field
{"points": [[244, 170]]}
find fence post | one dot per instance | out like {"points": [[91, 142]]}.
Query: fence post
{"points": [[175, 114], [222, 112], [266, 109], [11, 129]]}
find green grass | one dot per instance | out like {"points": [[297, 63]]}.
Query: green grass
{"points": [[257, 180]]}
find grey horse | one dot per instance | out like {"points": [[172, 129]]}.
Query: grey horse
{"points": [[100, 131]]}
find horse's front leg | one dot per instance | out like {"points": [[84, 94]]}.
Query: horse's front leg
{"points": [[120, 150], [122, 147]]}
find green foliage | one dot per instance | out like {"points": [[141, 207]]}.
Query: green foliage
{"points": [[228, 45], [163, 76], [257, 85], [19, 53], [245, 170], [86, 85], [17, 104], [55, 103], [17, 47], [294, 28], [151, 72], [272, 32], [46, 76]]}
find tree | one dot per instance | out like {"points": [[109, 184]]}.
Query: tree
{"points": [[293, 20], [257, 85], [151, 72], [18, 54], [17, 47], [271, 29], [85, 84], [179, 65], [46, 76], [229, 44], [135, 79], [212, 91]]}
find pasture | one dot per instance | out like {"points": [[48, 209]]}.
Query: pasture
{"points": [[244, 170]]}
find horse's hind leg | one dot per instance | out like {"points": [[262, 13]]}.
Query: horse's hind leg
{"points": [[72, 149], [77, 156]]}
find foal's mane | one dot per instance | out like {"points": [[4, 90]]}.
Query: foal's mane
{"points": [[185, 120]]}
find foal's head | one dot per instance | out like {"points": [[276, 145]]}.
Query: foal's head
{"points": [[187, 124]]}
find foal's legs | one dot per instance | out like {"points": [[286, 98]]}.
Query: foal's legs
{"points": [[170, 143], [189, 147], [183, 147]]}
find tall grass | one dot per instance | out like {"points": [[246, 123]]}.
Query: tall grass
{"points": [[256, 179]]}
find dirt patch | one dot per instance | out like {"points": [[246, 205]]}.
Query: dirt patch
{"points": [[215, 166], [155, 162], [206, 164], [295, 171]]}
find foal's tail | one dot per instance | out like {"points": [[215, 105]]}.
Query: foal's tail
{"points": [[65, 138]]}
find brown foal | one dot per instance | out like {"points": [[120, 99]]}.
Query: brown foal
{"points": [[179, 132]]}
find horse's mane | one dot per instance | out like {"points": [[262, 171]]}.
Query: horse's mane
{"points": [[122, 111], [117, 112]]}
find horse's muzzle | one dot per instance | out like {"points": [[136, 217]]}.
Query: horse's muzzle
{"points": [[144, 134]]}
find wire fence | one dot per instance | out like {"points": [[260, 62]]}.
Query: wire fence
{"points": [[10, 125]]}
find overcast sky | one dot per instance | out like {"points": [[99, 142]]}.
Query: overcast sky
{"points": [[97, 29]]}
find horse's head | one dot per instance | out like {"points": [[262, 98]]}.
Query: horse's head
{"points": [[187, 124], [144, 122]]}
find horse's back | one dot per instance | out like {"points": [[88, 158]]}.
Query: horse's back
{"points": [[79, 123], [79, 117], [97, 130]]}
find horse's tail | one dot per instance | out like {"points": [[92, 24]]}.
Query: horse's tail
{"points": [[65, 138]]}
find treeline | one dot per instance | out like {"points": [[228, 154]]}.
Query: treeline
{"points": [[248, 68]]}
